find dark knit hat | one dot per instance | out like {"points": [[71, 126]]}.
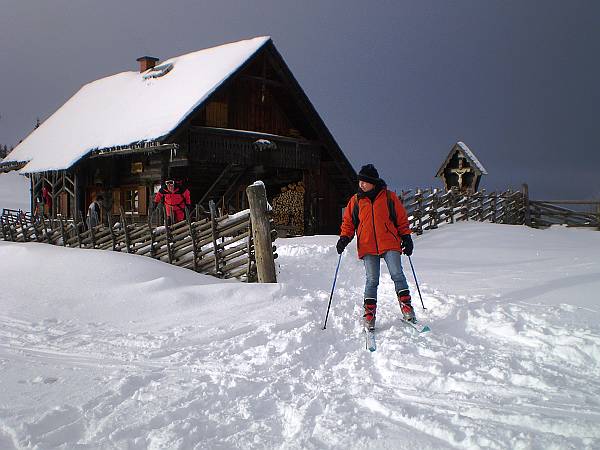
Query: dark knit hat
{"points": [[369, 174]]}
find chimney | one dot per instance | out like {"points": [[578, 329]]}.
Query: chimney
{"points": [[146, 62]]}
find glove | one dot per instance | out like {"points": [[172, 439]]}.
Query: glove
{"points": [[407, 244], [342, 242]]}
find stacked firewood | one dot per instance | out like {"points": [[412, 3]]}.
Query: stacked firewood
{"points": [[288, 209]]}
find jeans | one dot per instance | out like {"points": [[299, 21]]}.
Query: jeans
{"points": [[372, 268]]}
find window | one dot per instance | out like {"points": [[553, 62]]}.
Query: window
{"points": [[216, 114], [131, 199], [131, 203]]}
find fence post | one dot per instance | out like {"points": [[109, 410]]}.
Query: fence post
{"points": [[451, 202], [46, 230], [261, 233], [36, 231], [93, 237], [126, 231], [112, 232], [434, 209], [213, 221], [11, 230], [192, 237], [527, 211], [25, 235], [419, 210], [63, 234], [77, 226], [481, 205], [249, 252], [167, 234]]}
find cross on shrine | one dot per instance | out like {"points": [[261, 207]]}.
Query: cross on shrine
{"points": [[460, 171]]}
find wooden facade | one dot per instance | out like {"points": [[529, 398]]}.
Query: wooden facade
{"points": [[258, 125]]}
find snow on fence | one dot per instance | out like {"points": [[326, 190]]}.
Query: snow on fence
{"points": [[220, 246], [225, 246], [429, 208], [546, 213]]}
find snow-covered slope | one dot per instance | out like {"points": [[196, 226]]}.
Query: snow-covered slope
{"points": [[107, 350]]}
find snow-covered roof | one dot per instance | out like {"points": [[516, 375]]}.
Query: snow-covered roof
{"points": [[131, 107], [468, 154], [472, 157]]}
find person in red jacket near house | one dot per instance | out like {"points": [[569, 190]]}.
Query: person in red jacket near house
{"points": [[380, 222], [176, 199]]}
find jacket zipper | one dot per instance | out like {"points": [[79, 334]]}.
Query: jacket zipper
{"points": [[374, 231], [390, 231]]}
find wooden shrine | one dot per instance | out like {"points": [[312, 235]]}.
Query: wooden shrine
{"points": [[461, 169]]}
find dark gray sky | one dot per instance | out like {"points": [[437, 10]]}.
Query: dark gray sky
{"points": [[397, 82]]}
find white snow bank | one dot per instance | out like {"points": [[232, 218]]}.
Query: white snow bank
{"points": [[108, 350]]}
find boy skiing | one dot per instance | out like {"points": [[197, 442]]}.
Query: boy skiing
{"points": [[380, 222]]}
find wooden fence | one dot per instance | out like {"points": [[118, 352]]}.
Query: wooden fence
{"points": [[429, 208], [225, 246], [544, 213], [220, 246]]}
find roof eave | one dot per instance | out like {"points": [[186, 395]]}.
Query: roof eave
{"points": [[10, 166]]}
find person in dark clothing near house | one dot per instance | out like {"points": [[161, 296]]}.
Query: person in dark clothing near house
{"points": [[94, 213], [176, 199], [380, 222]]}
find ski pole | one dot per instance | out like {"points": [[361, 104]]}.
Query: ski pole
{"points": [[416, 282], [332, 289]]}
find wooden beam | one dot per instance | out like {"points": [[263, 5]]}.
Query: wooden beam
{"points": [[261, 233]]}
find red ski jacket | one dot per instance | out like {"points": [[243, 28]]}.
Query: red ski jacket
{"points": [[175, 202], [373, 223]]}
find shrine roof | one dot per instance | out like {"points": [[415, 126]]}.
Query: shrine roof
{"points": [[471, 158]]}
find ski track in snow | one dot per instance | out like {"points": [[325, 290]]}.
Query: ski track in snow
{"points": [[497, 371]]}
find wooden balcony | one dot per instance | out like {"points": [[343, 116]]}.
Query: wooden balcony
{"points": [[245, 148]]}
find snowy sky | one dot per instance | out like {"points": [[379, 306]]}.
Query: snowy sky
{"points": [[400, 82]]}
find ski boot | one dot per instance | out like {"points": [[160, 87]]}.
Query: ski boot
{"points": [[408, 313], [369, 316]]}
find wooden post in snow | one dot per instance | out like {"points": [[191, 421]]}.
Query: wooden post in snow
{"points": [[213, 224], [261, 233], [527, 211]]}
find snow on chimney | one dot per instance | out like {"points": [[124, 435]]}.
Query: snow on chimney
{"points": [[146, 62]]}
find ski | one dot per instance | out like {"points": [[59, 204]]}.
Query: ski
{"points": [[418, 326], [370, 343]]}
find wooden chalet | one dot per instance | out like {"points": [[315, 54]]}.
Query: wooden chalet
{"points": [[461, 169], [217, 119]]}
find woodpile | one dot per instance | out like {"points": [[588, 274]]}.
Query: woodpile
{"points": [[288, 210]]}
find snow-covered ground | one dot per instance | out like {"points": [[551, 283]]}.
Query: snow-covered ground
{"points": [[14, 192], [108, 350]]}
